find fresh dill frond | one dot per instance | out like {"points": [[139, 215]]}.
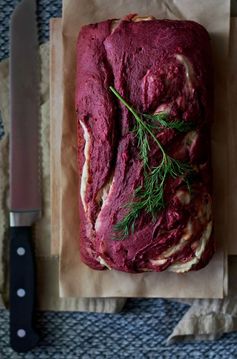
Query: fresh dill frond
{"points": [[143, 143], [161, 118], [149, 198]]}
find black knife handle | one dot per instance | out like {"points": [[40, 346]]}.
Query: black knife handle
{"points": [[22, 290]]}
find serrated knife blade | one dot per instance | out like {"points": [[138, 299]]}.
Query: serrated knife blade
{"points": [[24, 109], [25, 200]]}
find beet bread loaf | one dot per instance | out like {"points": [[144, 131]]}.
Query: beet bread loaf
{"points": [[144, 109]]}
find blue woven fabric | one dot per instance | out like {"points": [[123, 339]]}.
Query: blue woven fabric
{"points": [[140, 331]]}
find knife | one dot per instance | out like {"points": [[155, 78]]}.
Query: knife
{"points": [[25, 201]]}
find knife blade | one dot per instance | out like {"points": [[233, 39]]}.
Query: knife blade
{"points": [[25, 201]]}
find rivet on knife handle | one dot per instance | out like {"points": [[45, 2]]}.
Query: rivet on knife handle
{"points": [[22, 290]]}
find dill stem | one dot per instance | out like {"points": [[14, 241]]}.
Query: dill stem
{"points": [[117, 94], [151, 195], [138, 118]]}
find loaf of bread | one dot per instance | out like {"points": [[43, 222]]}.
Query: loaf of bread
{"points": [[144, 108]]}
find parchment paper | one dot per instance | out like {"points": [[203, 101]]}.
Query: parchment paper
{"points": [[76, 279], [56, 115]]}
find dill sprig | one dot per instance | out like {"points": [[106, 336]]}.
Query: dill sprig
{"points": [[149, 197], [161, 118]]}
